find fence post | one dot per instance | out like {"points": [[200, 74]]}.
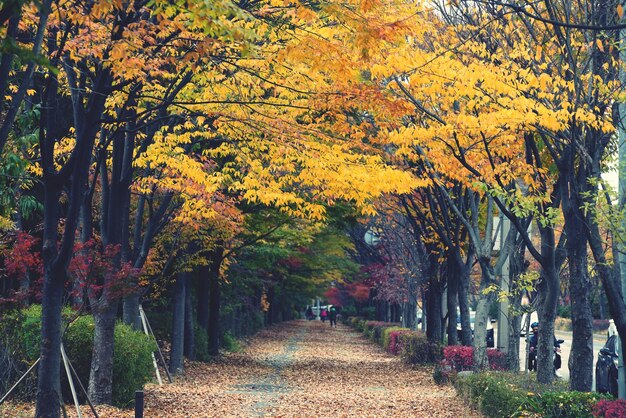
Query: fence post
{"points": [[139, 404]]}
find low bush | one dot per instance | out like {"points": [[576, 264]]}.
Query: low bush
{"points": [[562, 404], [230, 343], [416, 349], [462, 358], [499, 394], [386, 336], [358, 323], [132, 362], [21, 332], [368, 328], [458, 358], [610, 408], [491, 394], [394, 340]]}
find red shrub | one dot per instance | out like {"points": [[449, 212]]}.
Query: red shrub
{"points": [[497, 359], [610, 409], [394, 341], [462, 358], [458, 356]]}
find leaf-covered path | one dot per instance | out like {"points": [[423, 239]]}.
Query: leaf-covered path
{"points": [[306, 369], [295, 369]]}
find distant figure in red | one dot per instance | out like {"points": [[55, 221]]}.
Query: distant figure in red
{"points": [[332, 315], [324, 315]]}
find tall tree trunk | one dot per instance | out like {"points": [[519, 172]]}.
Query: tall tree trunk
{"points": [[464, 307], [178, 324], [190, 338], [434, 326], [48, 382], [482, 314], [517, 266], [214, 302], [101, 375], [451, 300], [581, 356], [202, 309], [130, 310], [548, 292]]}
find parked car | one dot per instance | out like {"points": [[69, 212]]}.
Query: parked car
{"points": [[490, 332], [606, 367]]}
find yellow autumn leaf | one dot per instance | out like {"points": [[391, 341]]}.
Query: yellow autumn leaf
{"points": [[599, 44]]}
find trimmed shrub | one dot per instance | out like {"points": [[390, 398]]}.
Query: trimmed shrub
{"points": [[562, 404], [498, 394], [386, 337], [394, 340], [374, 330], [461, 358], [416, 349], [491, 394], [607, 408], [497, 359]]}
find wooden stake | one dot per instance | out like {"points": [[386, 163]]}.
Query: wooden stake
{"points": [[70, 380]]}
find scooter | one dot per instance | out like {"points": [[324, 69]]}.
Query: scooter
{"points": [[556, 361]]}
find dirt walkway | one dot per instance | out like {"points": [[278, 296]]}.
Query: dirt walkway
{"points": [[296, 369], [306, 369]]}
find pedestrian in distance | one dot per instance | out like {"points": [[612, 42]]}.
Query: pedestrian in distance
{"points": [[332, 316], [324, 315]]}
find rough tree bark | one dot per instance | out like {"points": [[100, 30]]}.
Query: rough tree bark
{"points": [[190, 338], [178, 324], [214, 301], [451, 299]]}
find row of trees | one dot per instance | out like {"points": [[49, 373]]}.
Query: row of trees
{"points": [[176, 137], [510, 110], [161, 139]]}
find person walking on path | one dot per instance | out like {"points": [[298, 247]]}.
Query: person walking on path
{"points": [[332, 315], [324, 315]]}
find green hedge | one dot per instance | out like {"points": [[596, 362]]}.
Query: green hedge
{"points": [[498, 395], [386, 335], [416, 349], [491, 394], [132, 361], [563, 404]]}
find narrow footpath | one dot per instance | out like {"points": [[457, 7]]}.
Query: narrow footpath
{"points": [[306, 369]]}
